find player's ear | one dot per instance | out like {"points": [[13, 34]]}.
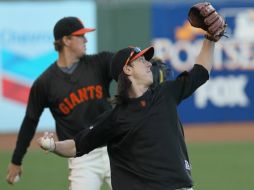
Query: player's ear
{"points": [[66, 40], [127, 69]]}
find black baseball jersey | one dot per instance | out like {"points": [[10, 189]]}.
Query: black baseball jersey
{"points": [[74, 100], [145, 137]]}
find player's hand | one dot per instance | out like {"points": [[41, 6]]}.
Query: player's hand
{"points": [[13, 173], [47, 142]]}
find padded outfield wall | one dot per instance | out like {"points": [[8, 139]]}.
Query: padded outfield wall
{"points": [[26, 50]]}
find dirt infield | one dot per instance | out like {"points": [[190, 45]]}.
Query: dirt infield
{"points": [[193, 134], [220, 132]]}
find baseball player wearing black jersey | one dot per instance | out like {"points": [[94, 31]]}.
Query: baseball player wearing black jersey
{"points": [[75, 88], [143, 132]]}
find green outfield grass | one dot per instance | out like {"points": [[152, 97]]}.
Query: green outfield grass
{"points": [[215, 166], [223, 166]]}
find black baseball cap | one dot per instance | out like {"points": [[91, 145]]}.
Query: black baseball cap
{"points": [[126, 55], [70, 26]]}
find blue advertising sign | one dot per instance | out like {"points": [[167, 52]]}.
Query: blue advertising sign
{"points": [[26, 50], [228, 95]]}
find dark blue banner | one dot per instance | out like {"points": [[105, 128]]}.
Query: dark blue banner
{"points": [[229, 94]]}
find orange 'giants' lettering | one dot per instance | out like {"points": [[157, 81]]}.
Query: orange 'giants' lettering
{"points": [[81, 95]]}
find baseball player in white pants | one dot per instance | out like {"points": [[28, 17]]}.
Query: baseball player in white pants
{"points": [[75, 88]]}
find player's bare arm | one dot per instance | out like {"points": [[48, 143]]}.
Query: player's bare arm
{"points": [[65, 148], [206, 55]]}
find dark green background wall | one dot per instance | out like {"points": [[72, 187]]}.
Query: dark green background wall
{"points": [[123, 24]]}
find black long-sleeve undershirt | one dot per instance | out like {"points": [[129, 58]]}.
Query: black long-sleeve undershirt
{"points": [[25, 136]]}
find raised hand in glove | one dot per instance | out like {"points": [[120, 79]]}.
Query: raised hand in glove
{"points": [[203, 15]]}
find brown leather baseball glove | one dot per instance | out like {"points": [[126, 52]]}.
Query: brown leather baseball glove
{"points": [[203, 15]]}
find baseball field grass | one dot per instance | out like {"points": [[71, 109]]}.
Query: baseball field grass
{"points": [[217, 166]]}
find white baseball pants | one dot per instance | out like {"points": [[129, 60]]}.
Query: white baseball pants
{"points": [[90, 171]]}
